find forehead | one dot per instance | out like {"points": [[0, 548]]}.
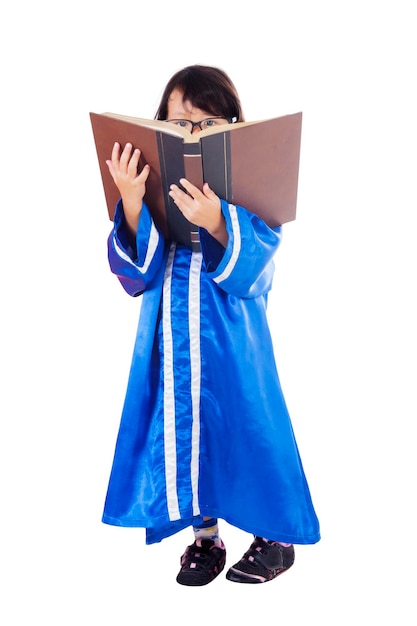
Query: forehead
{"points": [[177, 108]]}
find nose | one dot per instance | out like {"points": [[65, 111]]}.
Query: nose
{"points": [[196, 129]]}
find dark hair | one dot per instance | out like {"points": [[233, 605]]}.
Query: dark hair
{"points": [[207, 88]]}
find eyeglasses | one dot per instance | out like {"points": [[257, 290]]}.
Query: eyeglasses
{"points": [[209, 122]]}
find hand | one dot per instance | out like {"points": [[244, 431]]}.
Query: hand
{"points": [[131, 184], [202, 208]]}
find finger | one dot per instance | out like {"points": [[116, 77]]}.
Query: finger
{"points": [[132, 166], [113, 162], [176, 192], [111, 169], [207, 190], [143, 176], [182, 199], [209, 193], [191, 189], [115, 153], [124, 159]]}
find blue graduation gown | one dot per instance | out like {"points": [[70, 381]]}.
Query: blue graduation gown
{"points": [[205, 430]]}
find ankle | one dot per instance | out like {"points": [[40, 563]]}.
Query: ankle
{"points": [[208, 529]]}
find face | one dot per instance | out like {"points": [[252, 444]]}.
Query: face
{"points": [[179, 110]]}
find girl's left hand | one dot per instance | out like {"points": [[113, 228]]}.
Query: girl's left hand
{"points": [[202, 208]]}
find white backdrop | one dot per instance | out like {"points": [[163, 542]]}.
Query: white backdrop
{"points": [[342, 311]]}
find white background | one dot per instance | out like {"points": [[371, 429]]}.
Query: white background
{"points": [[342, 311]]}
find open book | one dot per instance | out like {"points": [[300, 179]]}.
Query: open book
{"points": [[253, 164]]}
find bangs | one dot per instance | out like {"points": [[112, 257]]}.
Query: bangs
{"points": [[202, 97]]}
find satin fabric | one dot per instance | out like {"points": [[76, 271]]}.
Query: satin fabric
{"points": [[205, 430]]}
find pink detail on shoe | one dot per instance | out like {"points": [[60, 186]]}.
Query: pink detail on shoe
{"points": [[261, 579]]}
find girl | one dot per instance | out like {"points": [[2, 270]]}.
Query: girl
{"points": [[205, 432]]}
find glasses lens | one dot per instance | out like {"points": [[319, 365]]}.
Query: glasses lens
{"points": [[213, 121], [183, 123]]}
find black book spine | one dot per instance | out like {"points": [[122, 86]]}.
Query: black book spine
{"points": [[217, 164], [172, 169]]}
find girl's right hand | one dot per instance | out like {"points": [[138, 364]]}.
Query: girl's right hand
{"points": [[131, 184]]}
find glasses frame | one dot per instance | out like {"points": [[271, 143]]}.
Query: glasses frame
{"points": [[229, 120]]}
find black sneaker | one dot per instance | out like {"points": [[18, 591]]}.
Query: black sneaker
{"points": [[262, 562], [201, 563]]}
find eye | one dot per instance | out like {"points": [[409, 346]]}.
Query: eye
{"points": [[214, 121], [182, 123]]}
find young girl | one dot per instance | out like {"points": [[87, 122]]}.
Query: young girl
{"points": [[205, 432]]}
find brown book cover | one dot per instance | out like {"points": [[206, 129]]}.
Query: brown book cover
{"points": [[253, 164]]}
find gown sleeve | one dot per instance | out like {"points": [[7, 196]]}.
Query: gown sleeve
{"points": [[137, 266], [245, 267]]}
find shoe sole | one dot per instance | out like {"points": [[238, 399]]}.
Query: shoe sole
{"points": [[236, 576]]}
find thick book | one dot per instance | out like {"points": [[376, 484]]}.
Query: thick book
{"points": [[252, 164]]}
